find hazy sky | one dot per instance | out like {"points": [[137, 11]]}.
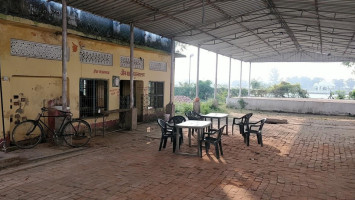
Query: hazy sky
{"points": [[259, 71]]}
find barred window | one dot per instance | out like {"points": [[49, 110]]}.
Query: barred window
{"points": [[156, 94], [93, 96]]}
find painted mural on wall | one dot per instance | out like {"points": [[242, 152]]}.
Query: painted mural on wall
{"points": [[51, 13]]}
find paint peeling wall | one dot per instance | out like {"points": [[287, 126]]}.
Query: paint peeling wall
{"points": [[33, 80]]}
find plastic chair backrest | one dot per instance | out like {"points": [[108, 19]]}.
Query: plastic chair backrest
{"points": [[262, 122], [178, 119], [192, 115], [162, 125], [220, 131]]}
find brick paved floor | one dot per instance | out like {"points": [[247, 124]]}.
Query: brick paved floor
{"points": [[312, 157]]}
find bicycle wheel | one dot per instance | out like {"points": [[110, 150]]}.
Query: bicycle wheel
{"points": [[76, 133], [27, 134]]}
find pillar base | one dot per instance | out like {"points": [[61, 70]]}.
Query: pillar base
{"points": [[196, 106], [170, 109], [131, 119]]}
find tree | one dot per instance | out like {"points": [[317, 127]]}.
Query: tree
{"points": [[255, 84], [341, 94], [205, 89], [286, 89], [350, 65], [274, 76], [184, 89], [352, 94], [180, 47]]}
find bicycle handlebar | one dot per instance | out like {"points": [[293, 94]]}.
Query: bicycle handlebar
{"points": [[44, 109]]}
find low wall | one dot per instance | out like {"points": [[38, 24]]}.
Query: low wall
{"points": [[309, 106]]}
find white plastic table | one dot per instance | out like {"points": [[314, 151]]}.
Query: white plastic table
{"points": [[191, 124], [218, 116]]}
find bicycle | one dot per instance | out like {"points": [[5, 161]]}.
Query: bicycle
{"points": [[29, 133]]}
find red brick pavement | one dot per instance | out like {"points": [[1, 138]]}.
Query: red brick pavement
{"points": [[312, 157]]}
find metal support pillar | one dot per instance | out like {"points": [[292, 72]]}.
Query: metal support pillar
{"points": [[191, 55], [64, 55], [249, 78], [198, 70], [229, 81], [131, 45], [215, 82], [240, 82], [196, 104], [172, 73]]}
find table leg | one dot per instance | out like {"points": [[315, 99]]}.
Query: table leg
{"points": [[219, 123], [103, 126], [177, 143], [227, 125], [189, 137], [199, 153]]}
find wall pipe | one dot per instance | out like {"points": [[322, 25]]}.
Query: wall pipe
{"points": [[2, 114]]}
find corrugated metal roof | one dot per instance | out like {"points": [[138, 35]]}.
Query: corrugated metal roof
{"points": [[253, 30]]}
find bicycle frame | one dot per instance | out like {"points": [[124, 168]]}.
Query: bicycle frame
{"points": [[53, 131]]}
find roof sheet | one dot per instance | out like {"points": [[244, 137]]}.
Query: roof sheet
{"points": [[252, 31]]}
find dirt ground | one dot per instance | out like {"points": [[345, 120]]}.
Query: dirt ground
{"points": [[311, 157]]}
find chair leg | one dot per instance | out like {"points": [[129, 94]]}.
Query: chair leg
{"points": [[201, 148], [220, 147], [207, 145], [174, 145], [261, 140], [190, 137], [165, 140], [258, 138], [182, 136], [247, 136], [232, 128], [216, 149], [161, 143]]}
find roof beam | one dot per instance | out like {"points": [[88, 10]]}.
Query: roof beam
{"points": [[283, 23], [240, 24], [319, 29], [347, 47], [143, 4]]}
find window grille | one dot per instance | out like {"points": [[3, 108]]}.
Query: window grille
{"points": [[156, 94], [93, 96]]}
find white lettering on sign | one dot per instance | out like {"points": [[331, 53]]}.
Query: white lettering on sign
{"points": [[158, 66], [138, 63]]}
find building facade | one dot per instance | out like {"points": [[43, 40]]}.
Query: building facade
{"points": [[98, 72]]}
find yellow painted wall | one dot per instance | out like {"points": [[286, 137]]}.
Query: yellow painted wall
{"points": [[39, 80]]}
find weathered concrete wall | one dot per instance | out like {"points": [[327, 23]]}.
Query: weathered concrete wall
{"points": [[309, 106]]}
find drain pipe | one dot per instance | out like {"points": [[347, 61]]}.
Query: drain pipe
{"points": [[2, 114]]}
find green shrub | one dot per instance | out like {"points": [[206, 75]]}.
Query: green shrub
{"points": [[209, 106], [242, 103], [341, 94], [352, 94], [181, 108]]}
